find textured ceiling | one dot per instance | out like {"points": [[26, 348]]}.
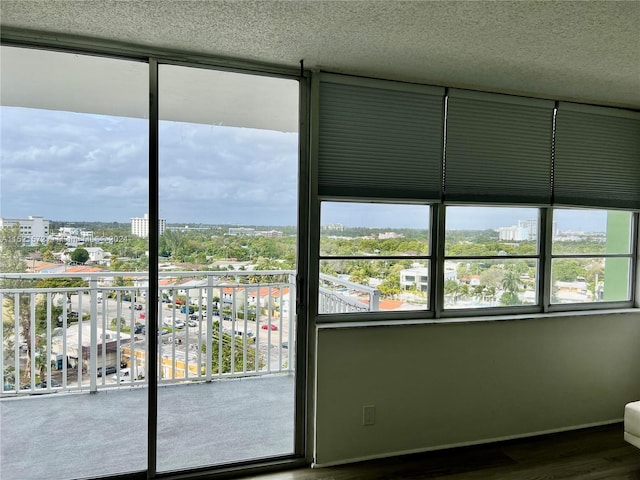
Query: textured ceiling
{"points": [[578, 51]]}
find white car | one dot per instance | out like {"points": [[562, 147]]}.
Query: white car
{"points": [[125, 375], [168, 322]]}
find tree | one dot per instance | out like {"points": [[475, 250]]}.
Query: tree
{"points": [[80, 255], [511, 286], [452, 289], [238, 359], [11, 262], [511, 282], [567, 270]]}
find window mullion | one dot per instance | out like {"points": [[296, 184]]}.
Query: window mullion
{"points": [[437, 250], [635, 255], [545, 233]]}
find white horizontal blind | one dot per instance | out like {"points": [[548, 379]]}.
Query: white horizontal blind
{"points": [[498, 148], [379, 139], [597, 160]]}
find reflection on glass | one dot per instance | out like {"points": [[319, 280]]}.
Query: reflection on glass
{"points": [[490, 283], [373, 285]]}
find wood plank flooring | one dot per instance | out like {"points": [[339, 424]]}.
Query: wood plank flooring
{"points": [[598, 453]]}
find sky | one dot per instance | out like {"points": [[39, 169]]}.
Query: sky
{"points": [[84, 167], [69, 167]]}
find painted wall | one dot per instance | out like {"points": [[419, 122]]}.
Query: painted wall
{"points": [[442, 384]]}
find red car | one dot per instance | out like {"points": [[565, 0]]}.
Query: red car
{"points": [[267, 326]]}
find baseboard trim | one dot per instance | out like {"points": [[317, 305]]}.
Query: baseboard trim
{"points": [[398, 453]]}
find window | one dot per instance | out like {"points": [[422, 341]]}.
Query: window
{"points": [[491, 257], [490, 166], [381, 257], [591, 256], [374, 257]]}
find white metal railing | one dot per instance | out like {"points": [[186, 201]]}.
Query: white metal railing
{"points": [[337, 295], [81, 338]]}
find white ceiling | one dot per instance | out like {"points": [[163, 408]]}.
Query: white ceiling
{"points": [[578, 51]]}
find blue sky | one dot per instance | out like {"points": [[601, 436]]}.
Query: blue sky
{"points": [[72, 166], [84, 167]]}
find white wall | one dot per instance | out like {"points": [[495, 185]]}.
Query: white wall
{"points": [[442, 384]]}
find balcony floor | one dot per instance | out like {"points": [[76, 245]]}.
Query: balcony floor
{"points": [[63, 436]]}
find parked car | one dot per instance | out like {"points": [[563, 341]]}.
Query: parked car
{"points": [[267, 326], [139, 328], [126, 375], [54, 384], [169, 322], [71, 316], [184, 310], [109, 370], [137, 306], [191, 322]]}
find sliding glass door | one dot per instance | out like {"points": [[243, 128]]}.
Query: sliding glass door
{"points": [[77, 243]]}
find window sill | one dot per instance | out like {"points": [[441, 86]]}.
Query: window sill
{"points": [[472, 319]]}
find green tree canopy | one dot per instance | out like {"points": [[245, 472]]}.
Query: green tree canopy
{"points": [[80, 255]]}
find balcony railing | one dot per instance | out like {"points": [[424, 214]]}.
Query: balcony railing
{"points": [[340, 296], [84, 332], [94, 335]]}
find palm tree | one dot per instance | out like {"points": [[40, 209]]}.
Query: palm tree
{"points": [[511, 286]]}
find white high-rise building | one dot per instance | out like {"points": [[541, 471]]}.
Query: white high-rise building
{"points": [[33, 230], [140, 226]]}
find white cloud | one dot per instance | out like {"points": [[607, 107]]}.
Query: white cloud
{"points": [[70, 166]]}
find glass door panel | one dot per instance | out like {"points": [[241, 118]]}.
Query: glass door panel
{"points": [[228, 151], [73, 275]]}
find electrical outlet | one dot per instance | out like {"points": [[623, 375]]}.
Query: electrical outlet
{"points": [[368, 415]]}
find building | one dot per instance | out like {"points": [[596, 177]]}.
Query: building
{"points": [[140, 226], [33, 230], [242, 231], [515, 233], [389, 235], [453, 383], [415, 278]]}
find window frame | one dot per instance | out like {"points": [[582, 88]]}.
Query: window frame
{"points": [[632, 256], [496, 310], [437, 258], [430, 258]]}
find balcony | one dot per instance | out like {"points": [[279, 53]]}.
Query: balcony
{"points": [[223, 336]]}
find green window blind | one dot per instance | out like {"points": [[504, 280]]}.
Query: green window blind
{"points": [[597, 160], [379, 139], [498, 148]]}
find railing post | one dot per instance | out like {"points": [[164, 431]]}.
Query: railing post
{"points": [[375, 300], [2, 372], [209, 349], [93, 349], [293, 315]]}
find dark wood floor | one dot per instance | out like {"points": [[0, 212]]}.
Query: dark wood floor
{"points": [[591, 454]]}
